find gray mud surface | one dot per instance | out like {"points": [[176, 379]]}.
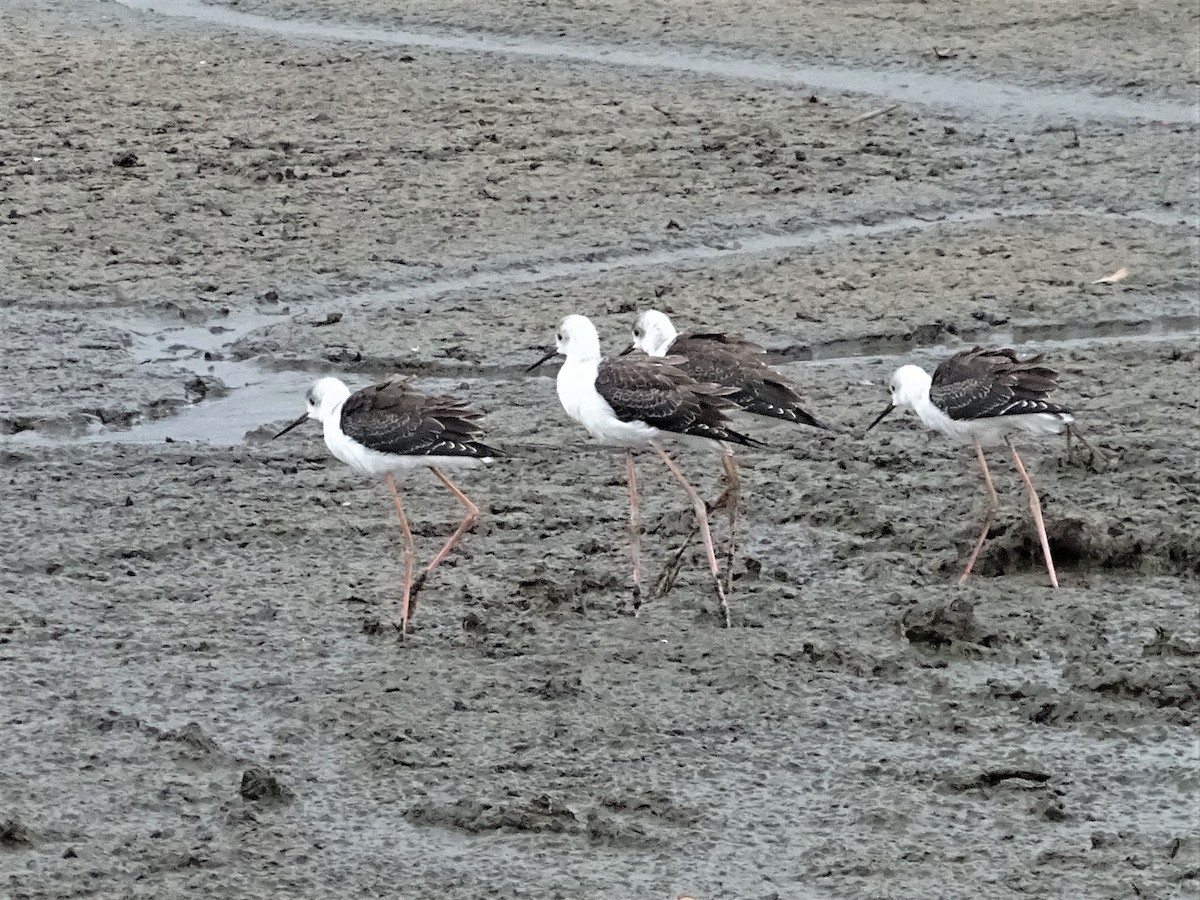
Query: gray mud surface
{"points": [[195, 696]]}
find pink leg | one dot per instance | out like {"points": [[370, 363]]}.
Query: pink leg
{"points": [[993, 506], [409, 552], [734, 500], [634, 528], [467, 524], [1035, 508], [702, 521]]}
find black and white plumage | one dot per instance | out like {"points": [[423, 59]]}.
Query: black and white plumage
{"points": [[984, 396], [660, 394], [393, 420], [986, 384], [389, 428], [632, 403], [981, 395], [727, 360], [637, 404]]}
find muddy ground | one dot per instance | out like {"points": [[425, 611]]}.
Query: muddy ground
{"points": [[197, 219]]}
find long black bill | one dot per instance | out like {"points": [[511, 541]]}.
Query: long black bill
{"points": [[549, 356], [627, 350], [299, 421], [879, 418]]}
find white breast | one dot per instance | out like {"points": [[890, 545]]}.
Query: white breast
{"points": [[577, 393]]}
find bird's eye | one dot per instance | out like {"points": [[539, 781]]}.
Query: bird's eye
{"points": [[559, 336], [637, 332]]}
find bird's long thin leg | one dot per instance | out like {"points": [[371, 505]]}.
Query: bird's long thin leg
{"points": [[410, 553], [702, 521], [730, 501], [733, 500], [634, 529], [992, 507], [467, 524], [1035, 509]]}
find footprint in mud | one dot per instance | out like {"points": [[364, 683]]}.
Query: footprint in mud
{"points": [[539, 815], [942, 626], [16, 836], [1082, 544]]}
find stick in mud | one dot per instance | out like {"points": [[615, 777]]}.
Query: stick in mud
{"points": [[882, 111], [666, 578]]}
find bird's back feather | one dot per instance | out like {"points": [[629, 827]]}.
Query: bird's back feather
{"points": [[980, 383], [391, 418]]}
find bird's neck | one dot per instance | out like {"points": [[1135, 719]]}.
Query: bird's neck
{"points": [[930, 415], [579, 369], [331, 416]]}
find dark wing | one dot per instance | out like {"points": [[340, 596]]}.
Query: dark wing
{"points": [[732, 342], [737, 364], [392, 418], [663, 396], [982, 384]]}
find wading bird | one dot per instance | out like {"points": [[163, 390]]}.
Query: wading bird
{"points": [[984, 396], [388, 428], [736, 363], [636, 404]]}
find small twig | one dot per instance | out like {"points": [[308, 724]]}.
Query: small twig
{"points": [[666, 115], [882, 111], [666, 578], [1094, 461]]}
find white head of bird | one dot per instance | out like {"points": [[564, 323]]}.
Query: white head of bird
{"points": [[577, 339], [910, 387], [653, 333], [324, 396], [322, 400]]}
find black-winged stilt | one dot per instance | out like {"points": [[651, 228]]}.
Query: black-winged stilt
{"points": [[639, 403], [736, 363], [984, 396], [388, 428]]}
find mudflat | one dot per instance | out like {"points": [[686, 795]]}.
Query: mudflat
{"points": [[204, 207]]}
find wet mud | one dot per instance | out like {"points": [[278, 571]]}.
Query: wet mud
{"points": [[199, 217]]}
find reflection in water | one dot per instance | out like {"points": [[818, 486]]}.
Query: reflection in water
{"points": [[996, 99]]}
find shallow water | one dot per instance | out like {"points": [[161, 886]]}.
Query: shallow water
{"points": [[257, 394], [259, 388]]}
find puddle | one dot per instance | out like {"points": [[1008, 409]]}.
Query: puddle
{"points": [[996, 99], [198, 348], [259, 397], [263, 393]]}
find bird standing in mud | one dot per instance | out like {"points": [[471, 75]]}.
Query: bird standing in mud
{"points": [[639, 403], [984, 396], [388, 428], [736, 363]]}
